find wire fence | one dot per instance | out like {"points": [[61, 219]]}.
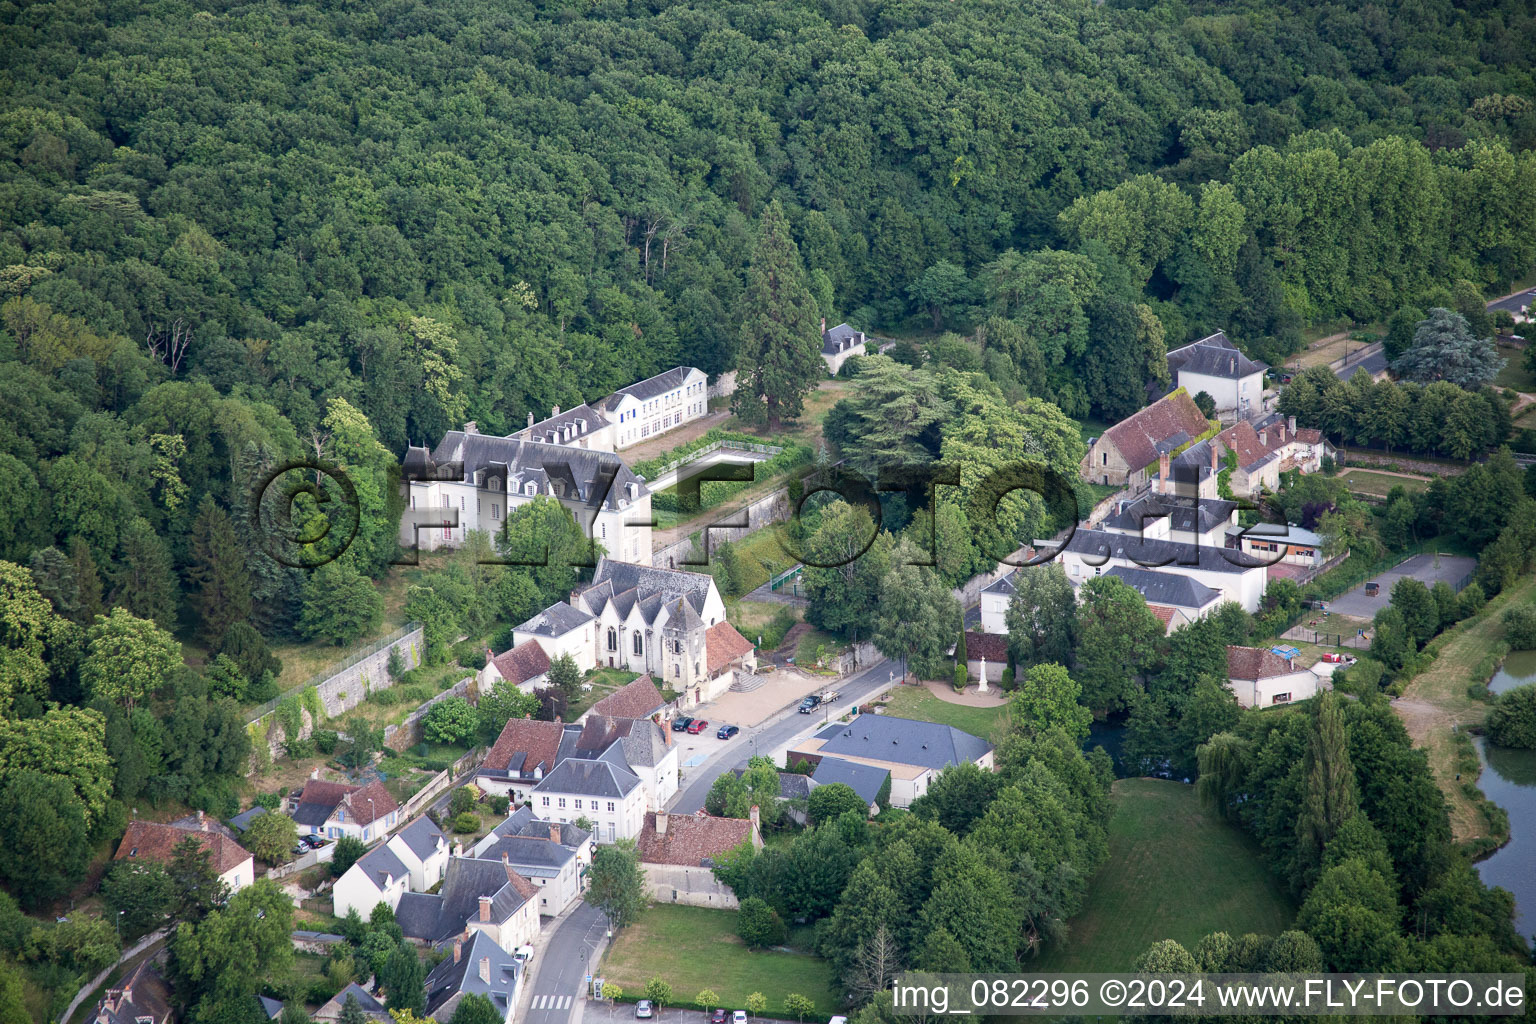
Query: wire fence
{"points": [[356, 656]]}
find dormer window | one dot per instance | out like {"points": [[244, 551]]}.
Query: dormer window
{"points": [[530, 488], [493, 483]]}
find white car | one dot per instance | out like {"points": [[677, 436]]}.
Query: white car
{"points": [[738, 1017]]}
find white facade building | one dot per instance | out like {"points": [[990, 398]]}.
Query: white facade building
{"points": [[657, 405], [413, 860], [1214, 365]]}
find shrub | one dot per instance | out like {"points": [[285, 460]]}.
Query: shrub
{"points": [[1520, 627], [463, 800], [325, 741], [498, 804], [470, 654], [451, 721], [1006, 683], [1512, 719], [386, 698], [960, 678], [466, 822], [348, 850], [758, 924], [300, 749]]}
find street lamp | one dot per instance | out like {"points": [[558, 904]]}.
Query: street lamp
{"points": [[118, 921]]}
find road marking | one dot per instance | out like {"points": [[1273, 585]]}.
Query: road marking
{"points": [[551, 1002]]}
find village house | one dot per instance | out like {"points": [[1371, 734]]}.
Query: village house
{"points": [[1128, 451], [143, 997], [524, 665], [913, 752], [1259, 677], [1260, 452], [637, 698], [839, 345], [413, 860], [994, 600], [656, 405], [605, 793], [148, 840], [870, 783], [1185, 598], [562, 631], [366, 1001], [1289, 545], [1235, 576], [475, 966], [485, 896], [1162, 514], [553, 855], [472, 481], [1215, 366], [678, 854], [523, 822], [336, 809]]}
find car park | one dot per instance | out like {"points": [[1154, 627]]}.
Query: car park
{"points": [[681, 722], [697, 726], [718, 1017], [643, 1009], [725, 733]]}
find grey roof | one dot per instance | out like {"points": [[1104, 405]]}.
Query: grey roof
{"points": [[612, 579], [531, 857], [1170, 588], [840, 339], [242, 821], [417, 914], [272, 1008], [498, 983], [1213, 356], [565, 427], [371, 1006], [312, 814], [556, 620], [433, 918], [588, 475], [864, 779], [1002, 585], [599, 778], [792, 785], [1153, 553], [380, 864], [903, 740], [1186, 515], [523, 822], [421, 836], [649, 388]]}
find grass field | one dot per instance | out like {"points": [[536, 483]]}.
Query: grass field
{"points": [[1435, 702], [916, 702], [1175, 871], [1514, 375], [758, 556], [694, 949], [1365, 481]]}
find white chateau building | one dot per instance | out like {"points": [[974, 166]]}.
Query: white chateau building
{"points": [[628, 416]]}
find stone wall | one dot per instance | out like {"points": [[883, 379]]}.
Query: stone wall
{"points": [[724, 385], [769, 509], [693, 887], [408, 732]]}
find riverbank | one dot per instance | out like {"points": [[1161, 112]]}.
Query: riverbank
{"points": [[1436, 704]]}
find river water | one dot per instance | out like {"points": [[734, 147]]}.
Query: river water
{"points": [[1509, 780], [1518, 669]]}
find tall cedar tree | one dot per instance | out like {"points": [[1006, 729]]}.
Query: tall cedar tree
{"points": [[218, 572], [1328, 798], [780, 347]]}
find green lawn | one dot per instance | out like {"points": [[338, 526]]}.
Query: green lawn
{"points": [[916, 702], [1514, 375], [694, 949], [1364, 481], [1175, 871]]}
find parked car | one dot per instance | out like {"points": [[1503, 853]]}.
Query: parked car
{"points": [[523, 955], [738, 1017], [316, 840], [301, 847], [697, 726], [643, 1009], [718, 1017], [811, 703], [725, 733], [681, 722], [839, 1019], [1372, 589]]}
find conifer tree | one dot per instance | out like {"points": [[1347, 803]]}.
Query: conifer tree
{"points": [[780, 348], [1329, 798], [218, 572]]}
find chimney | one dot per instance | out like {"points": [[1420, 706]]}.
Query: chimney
{"points": [[1264, 438], [1165, 484], [1215, 455], [202, 821], [823, 325], [1234, 364], [1282, 432], [485, 909], [1291, 422], [554, 832], [661, 823], [666, 735], [471, 427], [530, 417], [316, 773], [458, 949], [555, 413], [485, 969], [458, 848]]}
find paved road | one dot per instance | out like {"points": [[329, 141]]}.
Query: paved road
{"points": [[559, 983], [1516, 302], [778, 731]]}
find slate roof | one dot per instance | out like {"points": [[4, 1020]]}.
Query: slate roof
{"points": [[1151, 552], [1213, 356], [1171, 421], [556, 620], [864, 779], [528, 856], [599, 778], [690, 840], [992, 646], [433, 918], [381, 865], [904, 741], [840, 339], [565, 427], [723, 645], [1185, 515], [370, 1006], [242, 821], [1003, 584], [523, 822], [627, 742], [792, 785], [525, 744], [482, 968], [649, 581], [1256, 663], [1167, 587], [144, 993], [271, 1008], [421, 837], [148, 840], [588, 475], [651, 387], [637, 699], [521, 663]]}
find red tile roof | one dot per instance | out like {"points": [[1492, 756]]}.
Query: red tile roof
{"points": [[1138, 437], [524, 662], [1251, 447], [370, 802], [992, 646], [690, 838], [723, 645], [524, 888], [1163, 612], [638, 699], [1256, 663], [540, 741], [149, 840]]}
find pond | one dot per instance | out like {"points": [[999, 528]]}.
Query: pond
{"points": [[1518, 669], [1109, 734], [1509, 780]]}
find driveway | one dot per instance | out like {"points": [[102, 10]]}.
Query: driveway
{"points": [[777, 734]]}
